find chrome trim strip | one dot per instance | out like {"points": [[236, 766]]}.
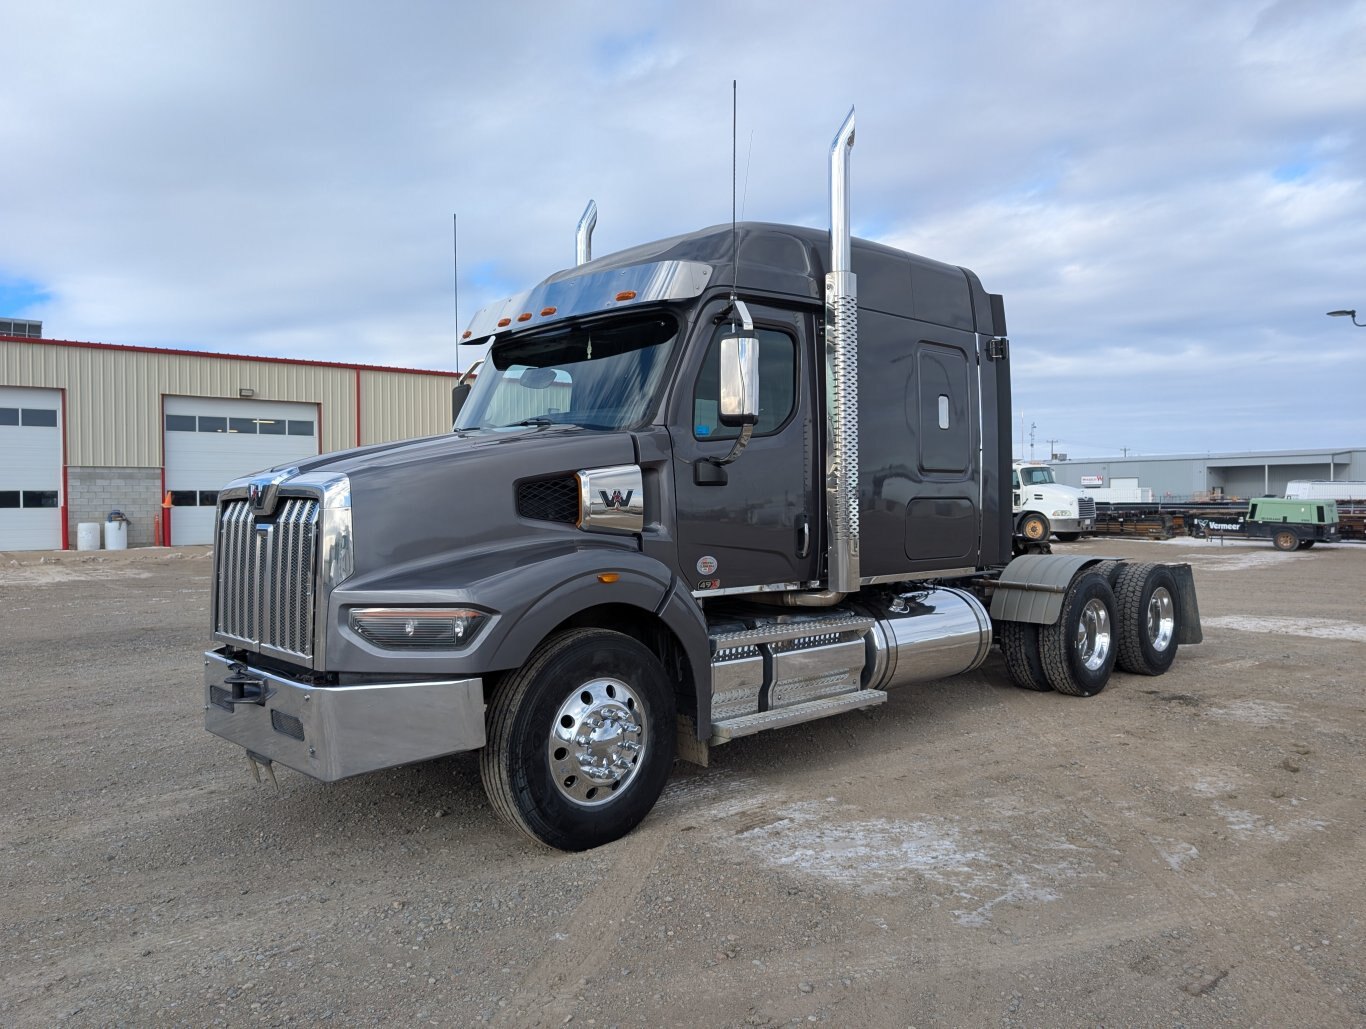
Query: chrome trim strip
{"points": [[772, 587], [938, 573], [595, 291]]}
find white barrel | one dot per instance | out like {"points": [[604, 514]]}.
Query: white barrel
{"points": [[88, 536], [115, 535]]}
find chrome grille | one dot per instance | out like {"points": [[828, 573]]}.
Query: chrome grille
{"points": [[1086, 507], [265, 571]]}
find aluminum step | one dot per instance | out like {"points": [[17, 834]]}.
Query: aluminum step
{"points": [[781, 632], [747, 725]]}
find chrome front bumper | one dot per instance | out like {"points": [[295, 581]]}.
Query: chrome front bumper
{"points": [[1072, 524], [331, 732]]}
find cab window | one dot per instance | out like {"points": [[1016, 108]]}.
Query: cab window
{"points": [[777, 385]]}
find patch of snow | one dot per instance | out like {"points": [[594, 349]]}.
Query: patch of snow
{"points": [[887, 856], [1314, 628], [1254, 712]]}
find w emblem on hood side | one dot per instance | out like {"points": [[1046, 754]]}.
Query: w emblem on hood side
{"points": [[616, 501]]}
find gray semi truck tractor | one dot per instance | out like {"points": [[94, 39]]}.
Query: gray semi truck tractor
{"points": [[711, 486]]}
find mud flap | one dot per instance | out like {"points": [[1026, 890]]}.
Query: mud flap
{"points": [[1190, 631]]}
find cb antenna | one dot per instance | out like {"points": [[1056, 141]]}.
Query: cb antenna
{"points": [[455, 283], [734, 238]]}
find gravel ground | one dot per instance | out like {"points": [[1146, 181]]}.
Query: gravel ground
{"points": [[1184, 850]]}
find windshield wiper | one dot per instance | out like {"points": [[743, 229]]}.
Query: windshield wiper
{"points": [[539, 419]]}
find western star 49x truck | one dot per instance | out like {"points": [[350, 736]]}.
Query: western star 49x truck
{"points": [[1044, 507], [710, 486]]}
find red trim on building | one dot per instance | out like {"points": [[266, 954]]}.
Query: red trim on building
{"points": [[165, 523], [214, 355], [66, 495]]}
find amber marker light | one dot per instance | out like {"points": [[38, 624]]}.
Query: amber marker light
{"points": [[608, 577], [503, 323], [626, 294], [466, 334], [546, 312]]}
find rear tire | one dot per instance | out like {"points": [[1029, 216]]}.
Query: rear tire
{"points": [[1306, 544], [1020, 644], [1285, 540], [581, 739], [1079, 651], [1149, 604], [1035, 527]]}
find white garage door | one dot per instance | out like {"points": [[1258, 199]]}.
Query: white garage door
{"points": [[210, 442], [30, 469]]}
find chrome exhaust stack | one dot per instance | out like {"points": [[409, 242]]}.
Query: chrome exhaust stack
{"points": [[841, 358], [583, 237]]}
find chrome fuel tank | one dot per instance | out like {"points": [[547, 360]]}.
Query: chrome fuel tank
{"points": [[923, 635]]}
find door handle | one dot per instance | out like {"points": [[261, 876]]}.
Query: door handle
{"points": [[803, 535]]}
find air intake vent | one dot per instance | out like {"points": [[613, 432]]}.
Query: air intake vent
{"points": [[549, 500], [287, 724]]}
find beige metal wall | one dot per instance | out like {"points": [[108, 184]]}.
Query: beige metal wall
{"points": [[113, 395], [399, 405]]}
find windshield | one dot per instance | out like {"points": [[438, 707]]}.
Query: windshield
{"points": [[1036, 476], [600, 376]]}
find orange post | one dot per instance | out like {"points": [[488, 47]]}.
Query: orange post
{"points": [[166, 520]]}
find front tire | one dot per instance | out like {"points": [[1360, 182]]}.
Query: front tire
{"points": [[1035, 528], [1149, 618], [1078, 651], [1285, 540], [580, 739]]}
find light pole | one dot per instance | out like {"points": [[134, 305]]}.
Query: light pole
{"points": [[1348, 314]]}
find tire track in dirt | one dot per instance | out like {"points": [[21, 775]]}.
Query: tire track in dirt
{"points": [[550, 984]]}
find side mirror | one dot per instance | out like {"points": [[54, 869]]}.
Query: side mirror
{"points": [[459, 394], [739, 381]]}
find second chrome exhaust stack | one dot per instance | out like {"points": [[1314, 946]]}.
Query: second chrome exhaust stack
{"points": [[583, 237], [841, 356]]}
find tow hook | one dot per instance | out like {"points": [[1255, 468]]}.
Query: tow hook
{"points": [[244, 687], [257, 762]]}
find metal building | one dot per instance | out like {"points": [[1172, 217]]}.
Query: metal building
{"points": [[90, 428], [1182, 478]]}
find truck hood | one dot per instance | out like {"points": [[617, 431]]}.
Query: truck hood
{"points": [[443, 499]]}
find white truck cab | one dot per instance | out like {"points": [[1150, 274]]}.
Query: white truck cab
{"points": [[1044, 507]]}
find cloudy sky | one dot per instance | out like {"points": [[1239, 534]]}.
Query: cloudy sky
{"points": [[1170, 195]]}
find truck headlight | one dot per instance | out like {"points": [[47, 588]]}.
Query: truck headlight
{"points": [[1063, 513], [338, 543], [416, 627]]}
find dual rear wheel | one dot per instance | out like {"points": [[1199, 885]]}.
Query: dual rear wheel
{"points": [[1112, 614]]}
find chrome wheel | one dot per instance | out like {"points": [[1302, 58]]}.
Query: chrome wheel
{"points": [[1161, 619], [1093, 634], [1149, 616], [597, 741]]}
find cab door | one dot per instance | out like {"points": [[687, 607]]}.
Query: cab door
{"points": [[754, 521]]}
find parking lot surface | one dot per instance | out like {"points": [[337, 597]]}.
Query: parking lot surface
{"points": [[1184, 850]]}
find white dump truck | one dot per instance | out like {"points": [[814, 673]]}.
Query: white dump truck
{"points": [[1044, 507]]}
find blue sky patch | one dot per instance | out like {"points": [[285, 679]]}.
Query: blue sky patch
{"points": [[18, 296], [1295, 171]]}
